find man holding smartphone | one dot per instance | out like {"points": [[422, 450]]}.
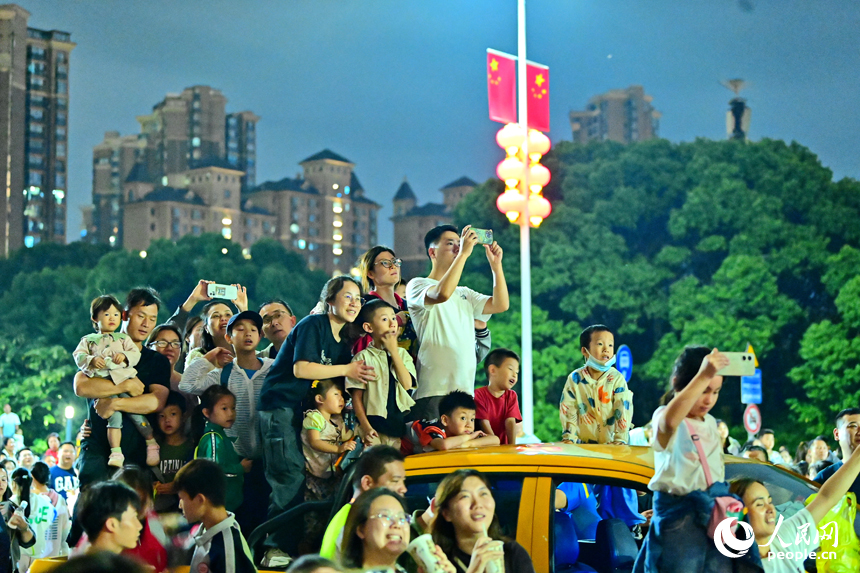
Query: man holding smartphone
{"points": [[444, 315]]}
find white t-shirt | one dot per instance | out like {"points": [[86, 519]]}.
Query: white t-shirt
{"points": [[802, 544], [446, 338], [677, 469]]}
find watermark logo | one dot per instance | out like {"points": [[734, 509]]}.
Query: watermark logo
{"points": [[727, 543], [732, 547]]}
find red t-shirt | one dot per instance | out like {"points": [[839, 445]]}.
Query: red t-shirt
{"points": [[497, 410]]}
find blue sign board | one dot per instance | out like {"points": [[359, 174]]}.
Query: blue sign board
{"points": [[624, 362], [751, 388]]}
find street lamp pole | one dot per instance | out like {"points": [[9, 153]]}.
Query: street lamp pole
{"points": [[525, 254], [70, 413]]}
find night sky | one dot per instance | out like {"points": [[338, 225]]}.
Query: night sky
{"points": [[399, 86]]}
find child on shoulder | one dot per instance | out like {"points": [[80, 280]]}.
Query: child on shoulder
{"points": [[677, 540], [217, 412], [220, 545], [381, 405], [112, 355], [455, 428], [497, 406], [596, 405]]}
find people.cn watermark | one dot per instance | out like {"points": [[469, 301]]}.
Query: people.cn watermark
{"points": [[730, 546]]}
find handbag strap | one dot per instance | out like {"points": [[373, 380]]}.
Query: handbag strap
{"points": [[698, 443]]}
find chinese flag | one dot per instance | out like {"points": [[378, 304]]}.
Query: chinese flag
{"points": [[502, 86], [537, 78]]}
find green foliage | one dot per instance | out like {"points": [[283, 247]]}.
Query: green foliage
{"points": [[711, 242]]}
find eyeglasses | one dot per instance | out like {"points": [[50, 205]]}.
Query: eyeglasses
{"points": [[390, 263], [401, 518], [164, 344], [277, 315]]}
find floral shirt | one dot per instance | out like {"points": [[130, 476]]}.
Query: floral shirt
{"points": [[596, 411]]}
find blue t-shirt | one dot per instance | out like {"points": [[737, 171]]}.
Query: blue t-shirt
{"points": [[64, 481], [9, 422], [310, 340]]}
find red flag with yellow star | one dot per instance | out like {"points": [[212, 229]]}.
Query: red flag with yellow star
{"points": [[502, 86], [537, 93]]}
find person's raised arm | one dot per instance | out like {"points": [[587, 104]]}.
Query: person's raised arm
{"points": [[94, 388], [315, 371], [199, 375], [684, 400], [499, 302], [835, 487], [444, 289]]}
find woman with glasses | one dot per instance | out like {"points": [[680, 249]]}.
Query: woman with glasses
{"points": [[166, 339], [377, 533], [379, 269], [467, 529]]}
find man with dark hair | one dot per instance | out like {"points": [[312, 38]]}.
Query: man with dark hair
{"points": [[64, 478], [221, 548], [444, 315], [147, 394], [753, 452], [26, 459], [768, 441], [847, 433], [107, 511], [278, 321], [378, 466]]}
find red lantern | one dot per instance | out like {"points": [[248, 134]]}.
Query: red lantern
{"points": [[511, 203], [510, 170], [538, 177], [538, 143]]}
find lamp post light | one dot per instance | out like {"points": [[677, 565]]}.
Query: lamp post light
{"points": [[523, 203], [70, 413]]}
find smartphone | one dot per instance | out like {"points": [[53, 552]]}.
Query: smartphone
{"points": [[485, 236], [740, 364], [215, 290]]}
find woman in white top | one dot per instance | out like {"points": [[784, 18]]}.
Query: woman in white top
{"points": [[677, 540], [761, 515], [40, 513]]}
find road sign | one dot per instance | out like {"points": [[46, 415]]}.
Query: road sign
{"points": [[752, 419], [751, 388], [751, 351], [624, 361]]}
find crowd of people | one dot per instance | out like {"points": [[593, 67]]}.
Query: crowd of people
{"points": [[192, 417]]}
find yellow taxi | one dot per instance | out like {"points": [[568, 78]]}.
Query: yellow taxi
{"points": [[526, 479]]}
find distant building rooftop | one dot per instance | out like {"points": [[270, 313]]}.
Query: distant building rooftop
{"points": [[327, 154], [172, 194], [404, 192], [461, 182], [430, 209]]}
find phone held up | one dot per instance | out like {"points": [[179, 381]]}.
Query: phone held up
{"points": [[740, 364], [215, 290], [485, 236]]}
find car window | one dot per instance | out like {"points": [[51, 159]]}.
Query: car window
{"points": [[787, 490], [506, 490]]}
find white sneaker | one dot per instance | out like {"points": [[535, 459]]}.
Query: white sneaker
{"points": [[276, 559]]}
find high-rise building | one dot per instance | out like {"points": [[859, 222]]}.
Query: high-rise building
{"points": [[412, 221], [623, 115], [240, 138], [323, 215], [34, 108], [185, 131]]}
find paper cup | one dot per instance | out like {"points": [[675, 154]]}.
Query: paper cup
{"points": [[423, 551]]}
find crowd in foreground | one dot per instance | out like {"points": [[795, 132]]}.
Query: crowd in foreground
{"points": [[190, 416]]}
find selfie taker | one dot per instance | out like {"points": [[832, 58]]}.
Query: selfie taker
{"points": [[444, 314]]}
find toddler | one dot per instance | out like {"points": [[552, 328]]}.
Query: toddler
{"points": [[596, 406], [216, 412], [381, 405], [112, 355], [324, 439]]}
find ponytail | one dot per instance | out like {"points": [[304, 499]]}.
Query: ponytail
{"points": [[23, 480]]}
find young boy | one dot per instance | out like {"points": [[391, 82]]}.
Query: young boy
{"points": [[381, 405], [113, 355], [497, 408], [454, 429], [596, 406], [176, 451], [221, 548]]}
